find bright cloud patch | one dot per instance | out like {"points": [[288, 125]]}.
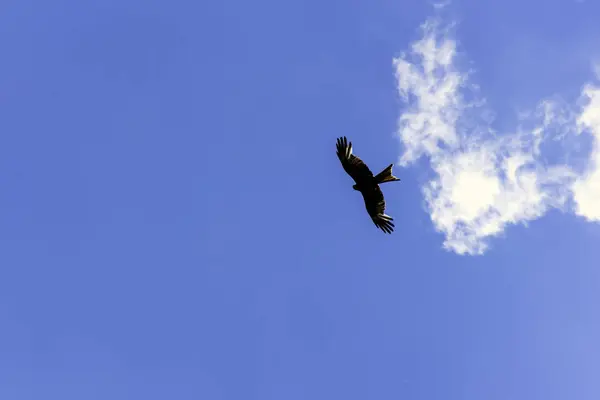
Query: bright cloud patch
{"points": [[586, 189], [485, 181]]}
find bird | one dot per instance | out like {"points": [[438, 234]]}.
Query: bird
{"points": [[367, 184]]}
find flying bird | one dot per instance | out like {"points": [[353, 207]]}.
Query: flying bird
{"points": [[367, 184]]}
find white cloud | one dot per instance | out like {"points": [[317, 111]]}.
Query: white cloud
{"points": [[586, 189], [484, 181]]}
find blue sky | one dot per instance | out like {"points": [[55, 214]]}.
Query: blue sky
{"points": [[175, 223]]}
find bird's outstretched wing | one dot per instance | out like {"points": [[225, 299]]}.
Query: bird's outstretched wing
{"points": [[353, 165], [375, 204]]}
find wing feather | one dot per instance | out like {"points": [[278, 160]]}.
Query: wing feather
{"points": [[375, 205], [354, 166]]}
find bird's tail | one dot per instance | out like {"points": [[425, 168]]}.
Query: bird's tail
{"points": [[386, 175]]}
